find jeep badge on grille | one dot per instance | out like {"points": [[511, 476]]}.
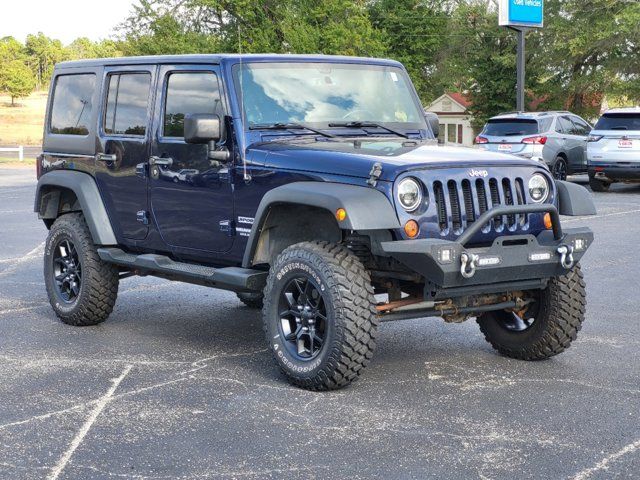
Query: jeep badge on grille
{"points": [[478, 173]]}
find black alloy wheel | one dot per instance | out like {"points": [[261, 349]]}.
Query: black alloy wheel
{"points": [[560, 169], [67, 271], [303, 318]]}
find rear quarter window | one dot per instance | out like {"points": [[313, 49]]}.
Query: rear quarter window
{"points": [[72, 106], [619, 121], [511, 128]]}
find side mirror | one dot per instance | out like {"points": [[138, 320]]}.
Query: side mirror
{"points": [[201, 128], [433, 121]]}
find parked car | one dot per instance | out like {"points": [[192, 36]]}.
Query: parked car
{"points": [[613, 150], [559, 139], [322, 200]]}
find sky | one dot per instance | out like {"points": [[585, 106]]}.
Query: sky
{"points": [[64, 20]]}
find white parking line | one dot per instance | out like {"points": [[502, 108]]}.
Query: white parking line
{"points": [[591, 217], [77, 440], [604, 463], [16, 262]]}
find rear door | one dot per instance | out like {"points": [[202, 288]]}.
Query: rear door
{"points": [[191, 197], [582, 129], [123, 138], [571, 142]]}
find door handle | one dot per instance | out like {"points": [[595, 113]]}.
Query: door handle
{"points": [[160, 161], [106, 157]]}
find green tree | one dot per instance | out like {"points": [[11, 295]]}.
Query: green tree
{"points": [[415, 33], [44, 53], [84, 48], [16, 79]]}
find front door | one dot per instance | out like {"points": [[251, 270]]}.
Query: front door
{"points": [[123, 137], [191, 197]]}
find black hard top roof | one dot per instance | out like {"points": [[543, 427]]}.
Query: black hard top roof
{"points": [[217, 58]]}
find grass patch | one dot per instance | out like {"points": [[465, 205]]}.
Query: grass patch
{"points": [[23, 123], [14, 162]]}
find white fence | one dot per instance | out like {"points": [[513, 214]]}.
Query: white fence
{"points": [[19, 149]]}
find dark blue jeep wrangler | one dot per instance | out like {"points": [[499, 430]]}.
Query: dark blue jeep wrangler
{"points": [[313, 187]]}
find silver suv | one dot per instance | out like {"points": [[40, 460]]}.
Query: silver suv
{"points": [[557, 138], [613, 150]]}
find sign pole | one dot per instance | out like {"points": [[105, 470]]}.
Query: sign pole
{"points": [[521, 67]]}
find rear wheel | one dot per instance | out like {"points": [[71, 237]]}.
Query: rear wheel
{"points": [[252, 300], [598, 185], [319, 315], [560, 169], [82, 289], [547, 328]]}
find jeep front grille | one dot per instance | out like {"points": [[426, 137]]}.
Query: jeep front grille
{"points": [[459, 204]]}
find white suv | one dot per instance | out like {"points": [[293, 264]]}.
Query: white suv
{"points": [[613, 150]]}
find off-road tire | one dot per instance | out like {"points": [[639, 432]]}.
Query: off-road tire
{"points": [[556, 325], [99, 283], [351, 316], [598, 185], [252, 300]]}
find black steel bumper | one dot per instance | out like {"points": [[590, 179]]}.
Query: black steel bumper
{"points": [[508, 259]]}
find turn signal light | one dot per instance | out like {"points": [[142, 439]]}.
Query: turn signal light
{"points": [[341, 214], [547, 221], [411, 229]]}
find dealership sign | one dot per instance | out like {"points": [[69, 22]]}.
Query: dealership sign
{"points": [[522, 13]]}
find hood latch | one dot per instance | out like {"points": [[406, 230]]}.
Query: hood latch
{"points": [[374, 174]]}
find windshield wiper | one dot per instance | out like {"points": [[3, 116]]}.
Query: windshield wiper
{"points": [[289, 126], [368, 124]]}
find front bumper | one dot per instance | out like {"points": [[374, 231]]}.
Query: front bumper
{"points": [[446, 264]]}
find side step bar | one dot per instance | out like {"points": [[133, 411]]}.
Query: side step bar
{"points": [[229, 278]]}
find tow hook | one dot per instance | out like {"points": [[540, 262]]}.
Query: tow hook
{"points": [[566, 256], [469, 262]]}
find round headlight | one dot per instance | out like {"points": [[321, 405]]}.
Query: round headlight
{"points": [[538, 188], [409, 194]]}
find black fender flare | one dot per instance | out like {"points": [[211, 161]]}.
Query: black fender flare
{"points": [[366, 207], [574, 199], [86, 191]]}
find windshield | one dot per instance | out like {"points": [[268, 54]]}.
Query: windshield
{"points": [[320, 94], [511, 127], [619, 121]]}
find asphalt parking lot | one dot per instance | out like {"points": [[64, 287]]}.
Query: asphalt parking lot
{"points": [[179, 384]]}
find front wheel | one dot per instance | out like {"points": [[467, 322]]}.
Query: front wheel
{"points": [[319, 315], [547, 328]]}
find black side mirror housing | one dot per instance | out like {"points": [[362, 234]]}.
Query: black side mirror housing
{"points": [[434, 122], [202, 128]]}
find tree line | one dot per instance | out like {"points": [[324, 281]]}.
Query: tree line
{"points": [[587, 53]]}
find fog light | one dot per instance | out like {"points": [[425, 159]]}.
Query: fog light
{"points": [[445, 255], [411, 228], [548, 224], [341, 214], [579, 244], [487, 261], [539, 257]]}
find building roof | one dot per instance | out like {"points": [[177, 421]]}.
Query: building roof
{"points": [[460, 98]]}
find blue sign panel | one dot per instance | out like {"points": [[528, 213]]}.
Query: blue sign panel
{"points": [[524, 13]]}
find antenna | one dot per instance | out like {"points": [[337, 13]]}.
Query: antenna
{"points": [[243, 147]]}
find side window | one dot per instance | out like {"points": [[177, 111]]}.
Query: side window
{"points": [[127, 102], [564, 125], [545, 124], [72, 104], [188, 93], [582, 127]]}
